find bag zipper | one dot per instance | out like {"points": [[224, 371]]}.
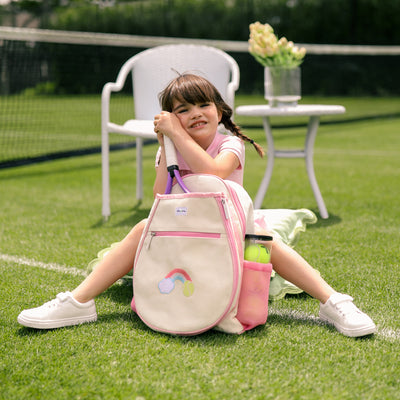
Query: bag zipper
{"points": [[201, 235]]}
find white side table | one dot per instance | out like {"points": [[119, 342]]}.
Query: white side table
{"points": [[312, 111]]}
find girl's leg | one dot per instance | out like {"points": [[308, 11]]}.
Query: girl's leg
{"points": [[335, 308], [295, 269], [117, 263], [78, 307]]}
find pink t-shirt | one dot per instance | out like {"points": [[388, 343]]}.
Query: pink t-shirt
{"points": [[220, 143]]}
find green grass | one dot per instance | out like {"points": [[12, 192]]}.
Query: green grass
{"points": [[51, 213]]}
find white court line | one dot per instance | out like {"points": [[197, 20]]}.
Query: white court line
{"points": [[50, 267], [386, 333]]}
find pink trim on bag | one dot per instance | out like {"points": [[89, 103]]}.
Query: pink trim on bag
{"points": [[190, 195], [239, 209], [258, 266], [133, 305], [145, 231], [234, 255], [203, 235], [235, 200]]}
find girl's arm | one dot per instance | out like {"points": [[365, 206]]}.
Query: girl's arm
{"points": [[198, 160], [160, 182]]}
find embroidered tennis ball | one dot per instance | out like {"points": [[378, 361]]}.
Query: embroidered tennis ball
{"points": [[188, 288], [257, 253]]}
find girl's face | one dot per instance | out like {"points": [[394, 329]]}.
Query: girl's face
{"points": [[199, 120]]}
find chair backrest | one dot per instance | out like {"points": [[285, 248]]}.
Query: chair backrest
{"points": [[154, 68]]}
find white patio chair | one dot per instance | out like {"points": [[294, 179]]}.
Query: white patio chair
{"points": [[151, 71]]}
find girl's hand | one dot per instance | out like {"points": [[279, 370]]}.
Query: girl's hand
{"points": [[167, 124], [160, 138]]}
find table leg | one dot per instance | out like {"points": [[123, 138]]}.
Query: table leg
{"points": [[309, 154], [270, 165]]}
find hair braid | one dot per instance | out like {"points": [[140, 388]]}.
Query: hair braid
{"points": [[231, 126]]}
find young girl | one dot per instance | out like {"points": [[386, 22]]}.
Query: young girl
{"points": [[192, 110]]}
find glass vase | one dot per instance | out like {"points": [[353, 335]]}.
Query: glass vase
{"points": [[282, 86]]}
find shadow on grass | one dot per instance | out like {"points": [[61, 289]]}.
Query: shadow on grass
{"points": [[119, 293], [293, 318], [136, 214], [29, 332], [123, 294], [323, 223], [20, 172]]}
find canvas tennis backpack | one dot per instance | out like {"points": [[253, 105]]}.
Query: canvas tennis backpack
{"points": [[189, 275]]}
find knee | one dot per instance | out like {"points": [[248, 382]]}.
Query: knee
{"points": [[138, 228], [142, 224], [278, 246]]}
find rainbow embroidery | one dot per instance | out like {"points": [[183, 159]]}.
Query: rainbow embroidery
{"points": [[167, 284]]}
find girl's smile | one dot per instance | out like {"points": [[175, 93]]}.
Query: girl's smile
{"points": [[200, 120], [198, 124]]}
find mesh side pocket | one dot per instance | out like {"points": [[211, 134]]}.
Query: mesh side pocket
{"points": [[253, 300]]}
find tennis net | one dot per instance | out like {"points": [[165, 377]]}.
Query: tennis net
{"points": [[51, 82]]}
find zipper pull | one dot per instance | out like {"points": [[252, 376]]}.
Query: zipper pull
{"points": [[152, 234], [225, 207]]}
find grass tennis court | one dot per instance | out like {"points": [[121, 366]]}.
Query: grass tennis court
{"points": [[51, 227]]}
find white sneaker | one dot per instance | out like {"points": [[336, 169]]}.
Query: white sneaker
{"points": [[340, 311], [64, 310]]}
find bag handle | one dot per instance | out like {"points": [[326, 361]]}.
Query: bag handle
{"points": [[172, 166]]}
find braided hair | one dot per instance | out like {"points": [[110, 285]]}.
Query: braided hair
{"points": [[194, 89]]}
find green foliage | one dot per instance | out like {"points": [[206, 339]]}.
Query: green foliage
{"points": [[44, 88], [339, 21], [85, 69]]}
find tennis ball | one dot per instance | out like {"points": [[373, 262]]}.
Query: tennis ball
{"points": [[265, 255], [257, 253], [252, 252], [188, 288]]}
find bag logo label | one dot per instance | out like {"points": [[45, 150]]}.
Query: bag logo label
{"points": [[167, 284], [181, 211]]}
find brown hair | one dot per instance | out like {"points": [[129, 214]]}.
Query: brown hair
{"points": [[194, 89]]}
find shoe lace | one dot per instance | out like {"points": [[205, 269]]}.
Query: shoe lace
{"points": [[55, 302], [347, 308]]}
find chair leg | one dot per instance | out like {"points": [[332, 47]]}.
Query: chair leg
{"points": [[105, 172], [309, 154], [262, 190], [139, 168]]}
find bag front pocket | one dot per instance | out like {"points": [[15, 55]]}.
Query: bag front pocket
{"points": [[175, 290], [253, 299]]}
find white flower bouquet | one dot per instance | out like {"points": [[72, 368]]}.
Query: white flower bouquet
{"points": [[265, 47]]}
